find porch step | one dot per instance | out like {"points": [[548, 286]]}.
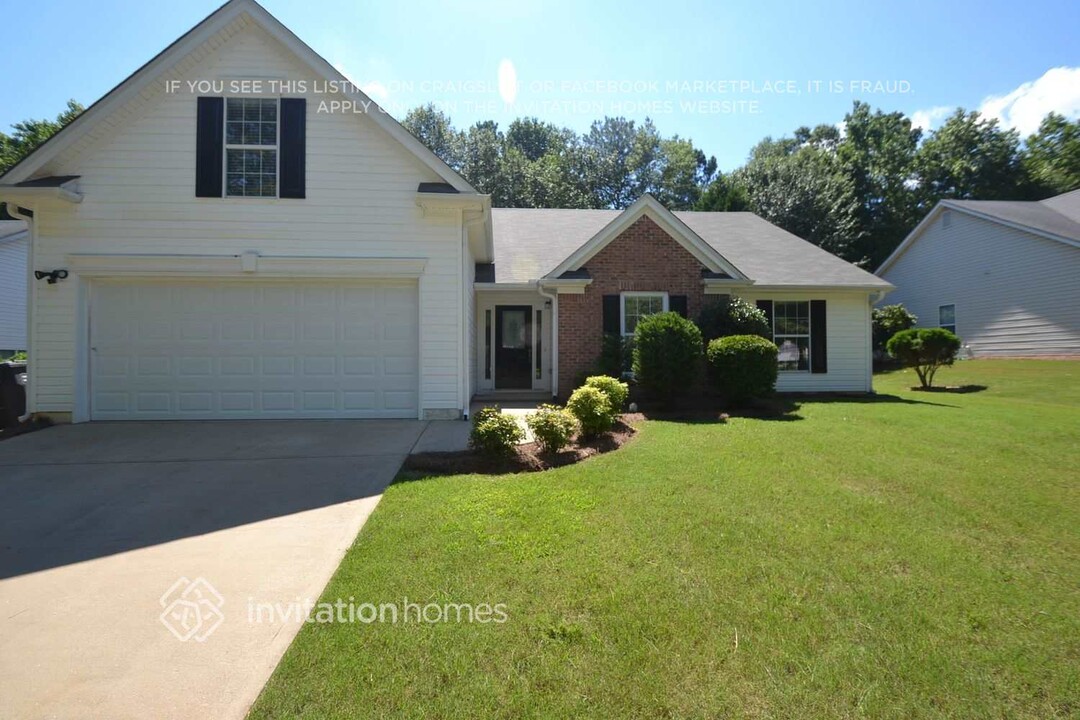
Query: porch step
{"points": [[502, 396]]}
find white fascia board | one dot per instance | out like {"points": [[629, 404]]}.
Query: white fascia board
{"points": [[108, 265]]}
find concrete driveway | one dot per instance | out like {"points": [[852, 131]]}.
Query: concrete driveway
{"points": [[106, 527]]}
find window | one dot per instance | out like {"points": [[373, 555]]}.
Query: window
{"points": [[791, 333], [946, 315], [251, 147], [636, 305]]}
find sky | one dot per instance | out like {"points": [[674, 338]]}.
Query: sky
{"points": [[723, 73]]}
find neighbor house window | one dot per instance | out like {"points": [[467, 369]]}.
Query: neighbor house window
{"points": [[636, 305], [947, 317], [251, 147], [791, 333]]}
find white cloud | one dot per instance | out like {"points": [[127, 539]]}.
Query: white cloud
{"points": [[929, 119], [1058, 90]]}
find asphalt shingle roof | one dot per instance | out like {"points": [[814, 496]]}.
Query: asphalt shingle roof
{"points": [[530, 243], [1058, 215]]}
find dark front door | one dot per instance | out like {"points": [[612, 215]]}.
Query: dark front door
{"points": [[513, 346]]}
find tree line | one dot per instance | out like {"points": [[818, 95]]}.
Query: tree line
{"points": [[856, 192]]}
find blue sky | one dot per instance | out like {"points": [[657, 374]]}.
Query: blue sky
{"points": [[577, 61]]}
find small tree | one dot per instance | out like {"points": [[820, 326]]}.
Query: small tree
{"points": [[667, 353], [733, 316], [926, 350], [889, 320]]}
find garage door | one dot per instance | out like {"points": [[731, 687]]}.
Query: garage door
{"points": [[252, 349]]}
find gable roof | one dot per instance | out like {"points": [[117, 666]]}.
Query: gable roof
{"points": [[1056, 218], [213, 23], [533, 244], [648, 206]]}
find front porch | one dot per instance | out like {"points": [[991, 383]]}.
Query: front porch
{"points": [[513, 347]]}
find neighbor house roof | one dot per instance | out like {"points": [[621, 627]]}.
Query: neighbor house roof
{"points": [[1057, 218], [530, 244]]}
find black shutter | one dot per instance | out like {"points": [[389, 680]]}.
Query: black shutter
{"points": [[765, 306], [677, 303], [819, 351], [612, 321], [209, 146], [293, 148]]}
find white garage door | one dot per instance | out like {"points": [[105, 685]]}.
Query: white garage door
{"points": [[252, 349]]}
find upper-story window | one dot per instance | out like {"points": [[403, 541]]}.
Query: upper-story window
{"points": [[251, 147], [947, 317]]}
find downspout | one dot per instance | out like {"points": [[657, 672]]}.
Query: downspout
{"points": [[27, 216], [554, 298], [466, 287]]}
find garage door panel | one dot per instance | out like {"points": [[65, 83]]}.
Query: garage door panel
{"points": [[240, 349]]}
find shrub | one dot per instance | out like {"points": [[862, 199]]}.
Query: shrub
{"points": [[889, 320], [592, 409], [616, 355], [733, 316], [667, 353], [743, 367], [552, 426], [614, 390], [494, 433], [926, 350]]}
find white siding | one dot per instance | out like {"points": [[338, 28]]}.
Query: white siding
{"points": [[13, 251], [1015, 293], [847, 322], [139, 181]]}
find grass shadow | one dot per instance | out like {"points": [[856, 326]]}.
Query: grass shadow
{"points": [[955, 389]]}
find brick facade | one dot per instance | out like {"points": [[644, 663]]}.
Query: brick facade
{"points": [[642, 258]]}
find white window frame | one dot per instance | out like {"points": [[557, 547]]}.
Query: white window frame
{"points": [[227, 147], [637, 293], [954, 323], [808, 335]]}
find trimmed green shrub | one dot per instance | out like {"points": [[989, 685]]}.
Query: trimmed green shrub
{"points": [[552, 426], [889, 320], [926, 350], [743, 367], [733, 316], [616, 391], [592, 409], [494, 433], [667, 354], [616, 355]]}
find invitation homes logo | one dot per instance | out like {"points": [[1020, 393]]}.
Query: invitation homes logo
{"points": [[192, 610]]}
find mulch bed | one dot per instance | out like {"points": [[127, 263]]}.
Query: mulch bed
{"points": [[527, 458]]}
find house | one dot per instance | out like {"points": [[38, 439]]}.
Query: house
{"points": [[1001, 274], [237, 232], [14, 243]]}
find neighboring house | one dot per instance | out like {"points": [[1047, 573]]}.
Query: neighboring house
{"points": [[14, 244], [1005, 276], [257, 256]]}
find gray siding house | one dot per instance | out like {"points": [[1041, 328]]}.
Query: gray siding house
{"points": [[1005, 276]]}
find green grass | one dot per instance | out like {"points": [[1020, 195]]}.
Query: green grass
{"points": [[915, 556]]}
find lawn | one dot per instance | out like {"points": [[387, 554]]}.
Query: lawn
{"points": [[917, 555]]}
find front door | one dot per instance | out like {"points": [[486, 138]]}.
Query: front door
{"points": [[513, 346]]}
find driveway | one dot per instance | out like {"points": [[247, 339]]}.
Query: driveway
{"points": [[104, 527]]}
